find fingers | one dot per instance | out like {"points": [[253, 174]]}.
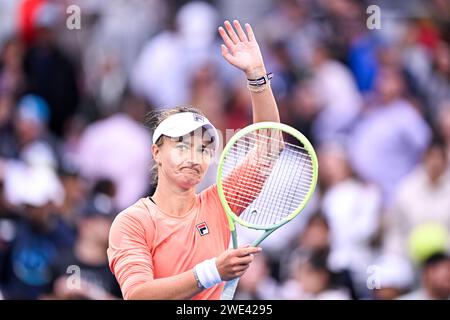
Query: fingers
{"points": [[230, 37], [231, 32], [251, 35], [227, 55], [245, 260], [225, 51], [234, 262], [241, 268], [226, 39], [242, 252], [240, 32]]}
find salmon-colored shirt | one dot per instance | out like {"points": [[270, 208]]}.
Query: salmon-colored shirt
{"points": [[146, 243]]}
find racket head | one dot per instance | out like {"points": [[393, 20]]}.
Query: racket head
{"points": [[297, 151]]}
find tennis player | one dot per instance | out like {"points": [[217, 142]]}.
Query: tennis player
{"points": [[175, 244]]}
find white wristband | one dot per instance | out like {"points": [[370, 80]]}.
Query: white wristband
{"points": [[207, 273]]}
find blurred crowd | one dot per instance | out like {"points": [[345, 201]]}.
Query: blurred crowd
{"points": [[375, 103]]}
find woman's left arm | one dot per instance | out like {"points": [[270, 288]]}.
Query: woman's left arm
{"points": [[242, 51]]}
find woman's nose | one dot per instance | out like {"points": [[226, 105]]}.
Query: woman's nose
{"points": [[194, 157]]}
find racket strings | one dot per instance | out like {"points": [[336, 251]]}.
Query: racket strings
{"points": [[255, 151], [265, 178], [300, 191], [292, 191], [279, 143], [268, 161], [249, 143], [278, 192]]}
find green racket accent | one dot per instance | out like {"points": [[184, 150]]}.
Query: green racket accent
{"points": [[256, 186]]}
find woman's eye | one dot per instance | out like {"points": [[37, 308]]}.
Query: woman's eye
{"points": [[206, 151], [182, 147]]}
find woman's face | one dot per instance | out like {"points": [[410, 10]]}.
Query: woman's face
{"points": [[184, 161]]}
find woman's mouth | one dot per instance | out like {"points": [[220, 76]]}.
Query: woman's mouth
{"points": [[190, 170]]}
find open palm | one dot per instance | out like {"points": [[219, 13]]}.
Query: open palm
{"points": [[240, 49]]}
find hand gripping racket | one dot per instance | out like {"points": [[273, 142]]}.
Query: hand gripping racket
{"points": [[267, 173]]}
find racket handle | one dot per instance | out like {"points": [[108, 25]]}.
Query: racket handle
{"points": [[229, 289]]}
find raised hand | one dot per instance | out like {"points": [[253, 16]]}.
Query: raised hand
{"points": [[241, 50]]}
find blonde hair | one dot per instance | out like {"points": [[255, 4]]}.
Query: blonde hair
{"points": [[152, 121]]}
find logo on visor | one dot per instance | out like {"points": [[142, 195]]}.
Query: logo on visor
{"points": [[202, 228], [198, 118]]}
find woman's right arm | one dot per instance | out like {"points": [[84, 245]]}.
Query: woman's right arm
{"points": [[131, 262], [178, 287], [231, 264]]}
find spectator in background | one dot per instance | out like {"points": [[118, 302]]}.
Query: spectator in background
{"points": [[12, 81], [393, 276], [314, 237], [440, 15], [236, 109], [8, 16], [345, 21], [442, 123], [117, 148], [284, 66], [388, 141], [352, 210], [6, 111], [49, 72], [304, 108], [163, 68], [110, 43], [76, 193], [41, 236], [89, 252], [289, 23], [437, 86], [207, 93], [313, 280], [337, 93], [415, 59], [435, 279], [422, 197], [29, 139], [8, 228], [26, 13], [359, 45], [363, 61]]}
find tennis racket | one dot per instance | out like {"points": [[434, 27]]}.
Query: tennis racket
{"points": [[267, 173]]}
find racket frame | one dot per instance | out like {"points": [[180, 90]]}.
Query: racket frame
{"points": [[232, 217]]}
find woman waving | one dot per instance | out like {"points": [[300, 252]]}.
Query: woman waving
{"points": [[174, 244]]}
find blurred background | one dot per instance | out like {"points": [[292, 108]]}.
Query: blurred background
{"points": [[375, 103]]}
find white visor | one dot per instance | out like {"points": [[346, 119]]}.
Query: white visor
{"points": [[180, 124]]}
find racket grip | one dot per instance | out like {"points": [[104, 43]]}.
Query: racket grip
{"points": [[229, 289]]}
